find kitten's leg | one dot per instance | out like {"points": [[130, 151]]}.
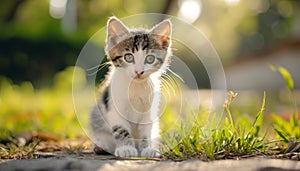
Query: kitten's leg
{"points": [[99, 150], [104, 143], [102, 137], [124, 141], [120, 129], [147, 145]]}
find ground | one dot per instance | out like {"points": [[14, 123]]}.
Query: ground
{"points": [[91, 162], [76, 155]]}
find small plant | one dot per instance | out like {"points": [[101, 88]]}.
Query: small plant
{"points": [[74, 149], [14, 151], [289, 130], [227, 140]]}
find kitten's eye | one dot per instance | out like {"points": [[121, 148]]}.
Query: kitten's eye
{"points": [[129, 58], [150, 59]]}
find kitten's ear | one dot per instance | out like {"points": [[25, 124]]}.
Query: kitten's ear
{"points": [[115, 28], [164, 31]]}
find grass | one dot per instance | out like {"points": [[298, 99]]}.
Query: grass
{"points": [[235, 138], [49, 114], [15, 151], [288, 131], [219, 141], [50, 110]]}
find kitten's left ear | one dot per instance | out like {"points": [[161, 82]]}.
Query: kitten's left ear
{"points": [[115, 27], [115, 32], [164, 31]]}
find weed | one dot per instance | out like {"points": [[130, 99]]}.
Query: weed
{"points": [[74, 149], [14, 151], [228, 139], [289, 130]]}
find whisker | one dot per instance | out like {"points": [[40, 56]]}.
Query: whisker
{"points": [[92, 68], [173, 49], [92, 73], [97, 66], [172, 72], [166, 87], [176, 75], [170, 83], [99, 69]]}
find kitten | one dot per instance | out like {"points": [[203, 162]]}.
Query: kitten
{"points": [[125, 120]]}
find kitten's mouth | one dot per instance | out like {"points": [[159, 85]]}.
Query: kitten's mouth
{"points": [[139, 77]]}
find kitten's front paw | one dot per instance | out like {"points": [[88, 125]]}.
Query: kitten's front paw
{"points": [[126, 151], [99, 150], [149, 152]]}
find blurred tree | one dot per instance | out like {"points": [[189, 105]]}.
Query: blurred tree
{"points": [[34, 44], [10, 12]]}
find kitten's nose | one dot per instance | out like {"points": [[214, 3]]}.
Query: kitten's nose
{"points": [[139, 73]]}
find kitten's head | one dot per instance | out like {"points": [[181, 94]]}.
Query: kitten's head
{"points": [[140, 52]]}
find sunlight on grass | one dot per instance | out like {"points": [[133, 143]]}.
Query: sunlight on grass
{"points": [[290, 129], [25, 109], [200, 141], [186, 132]]}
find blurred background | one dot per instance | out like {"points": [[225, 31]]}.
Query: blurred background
{"points": [[41, 40]]}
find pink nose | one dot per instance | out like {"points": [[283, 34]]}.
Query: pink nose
{"points": [[139, 74]]}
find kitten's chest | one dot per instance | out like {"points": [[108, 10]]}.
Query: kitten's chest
{"points": [[131, 97], [140, 97]]}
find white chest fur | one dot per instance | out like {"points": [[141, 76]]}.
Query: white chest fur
{"points": [[140, 95], [131, 99]]}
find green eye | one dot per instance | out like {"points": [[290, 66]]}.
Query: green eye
{"points": [[129, 58], [150, 59]]}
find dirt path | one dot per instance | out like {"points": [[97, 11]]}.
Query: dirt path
{"points": [[90, 162]]}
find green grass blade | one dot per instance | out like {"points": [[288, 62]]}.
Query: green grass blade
{"points": [[287, 77], [272, 67], [261, 111], [257, 117], [282, 135]]}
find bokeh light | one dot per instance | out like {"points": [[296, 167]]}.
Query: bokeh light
{"points": [[232, 2], [57, 8], [189, 10]]}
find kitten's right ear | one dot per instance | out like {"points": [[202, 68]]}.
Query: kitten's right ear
{"points": [[115, 28], [163, 31]]}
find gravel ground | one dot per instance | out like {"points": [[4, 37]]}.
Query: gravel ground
{"points": [[54, 162]]}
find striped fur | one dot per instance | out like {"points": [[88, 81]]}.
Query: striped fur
{"points": [[125, 120]]}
